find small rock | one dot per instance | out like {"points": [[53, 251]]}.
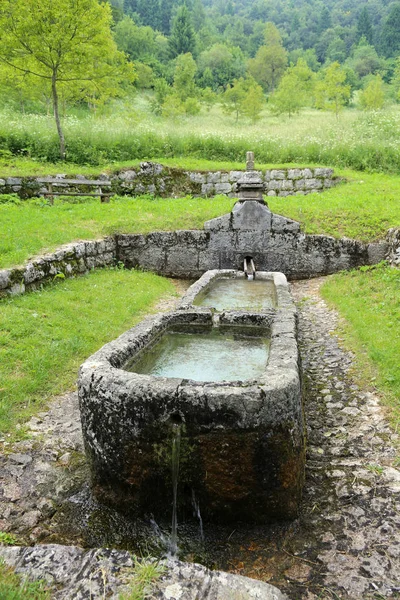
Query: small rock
{"points": [[298, 572], [21, 459]]}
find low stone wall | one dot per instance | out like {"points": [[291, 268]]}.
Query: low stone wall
{"points": [[158, 180], [274, 242], [69, 260], [393, 238]]}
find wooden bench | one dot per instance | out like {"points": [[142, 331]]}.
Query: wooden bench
{"points": [[54, 182]]}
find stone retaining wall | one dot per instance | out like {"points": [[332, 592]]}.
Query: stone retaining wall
{"points": [[158, 180], [393, 238], [274, 242]]}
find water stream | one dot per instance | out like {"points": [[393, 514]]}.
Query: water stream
{"points": [[176, 447]]}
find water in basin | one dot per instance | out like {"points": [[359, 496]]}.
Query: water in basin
{"points": [[208, 356], [231, 294]]}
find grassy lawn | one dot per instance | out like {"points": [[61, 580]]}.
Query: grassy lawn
{"points": [[369, 301], [29, 228], [42, 342]]}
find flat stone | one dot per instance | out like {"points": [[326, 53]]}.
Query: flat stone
{"points": [[21, 459]]}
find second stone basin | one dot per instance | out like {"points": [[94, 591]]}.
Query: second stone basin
{"points": [[210, 355]]}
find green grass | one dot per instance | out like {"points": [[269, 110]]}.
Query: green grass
{"points": [[46, 335], [30, 228], [146, 573], [363, 208], [128, 131], [14, 587], [369, 301]]}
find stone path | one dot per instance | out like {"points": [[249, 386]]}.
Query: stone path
{"points": [[346, 542]]}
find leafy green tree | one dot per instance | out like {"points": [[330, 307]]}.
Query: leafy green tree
{"points": [[269, 64], [253, 102], [233, 97], [136, 41], [324, 20], [198, 15], [173, 107], [149, 11], [182, 38], [364, 26], [65, 43], [373, 96], [166, 15], [223, 63], [365, 60], [208, 97], [332, 92], [185, 70], [336, 51], [294, 90], [390, 34]]}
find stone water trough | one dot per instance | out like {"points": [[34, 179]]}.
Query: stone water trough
{"points": [[228, 380]]}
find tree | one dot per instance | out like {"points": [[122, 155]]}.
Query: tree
{"points": [[65, 43], [233, 97], [390, 34], [365, 59], [373, 96], [253, 102], [223, 63], [270, 61], [182, 38], [294, 89], [185, 70], [149, 11], [364, 26], [331, 91]]}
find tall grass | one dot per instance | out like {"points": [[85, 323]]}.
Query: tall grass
{"points": [[360, 141]]}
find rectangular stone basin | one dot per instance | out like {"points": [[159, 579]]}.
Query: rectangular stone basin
{"points": [[238, 294], [207, 356], [238, 406], [231, 290]]}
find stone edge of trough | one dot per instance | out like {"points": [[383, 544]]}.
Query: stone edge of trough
{"points": [[75, 573]]}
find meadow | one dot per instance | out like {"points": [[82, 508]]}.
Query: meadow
{"points": [[128, 130]]}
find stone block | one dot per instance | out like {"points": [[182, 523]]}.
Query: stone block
{"points": [[299, 184], [323, 172], [128, 175], [14, 181], [295, 174], [235, 175], [313, 184], [287, 185], [5, 278], [251, 215], [278, 174], [214, 177], [307, 173], [267, 175], [197, 177], [223, 188], [271, 193], [224, 177], [283, 194], [2, 182], [275, 184], [208, 189]]}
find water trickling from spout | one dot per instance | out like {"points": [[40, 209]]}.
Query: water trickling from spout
{"points": [[196, 513], [176, 446]]}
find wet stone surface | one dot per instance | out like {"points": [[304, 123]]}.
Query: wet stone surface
{"points": [[346, 541]]}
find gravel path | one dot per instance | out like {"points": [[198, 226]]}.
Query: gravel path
{"points": [[346, 542]]}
